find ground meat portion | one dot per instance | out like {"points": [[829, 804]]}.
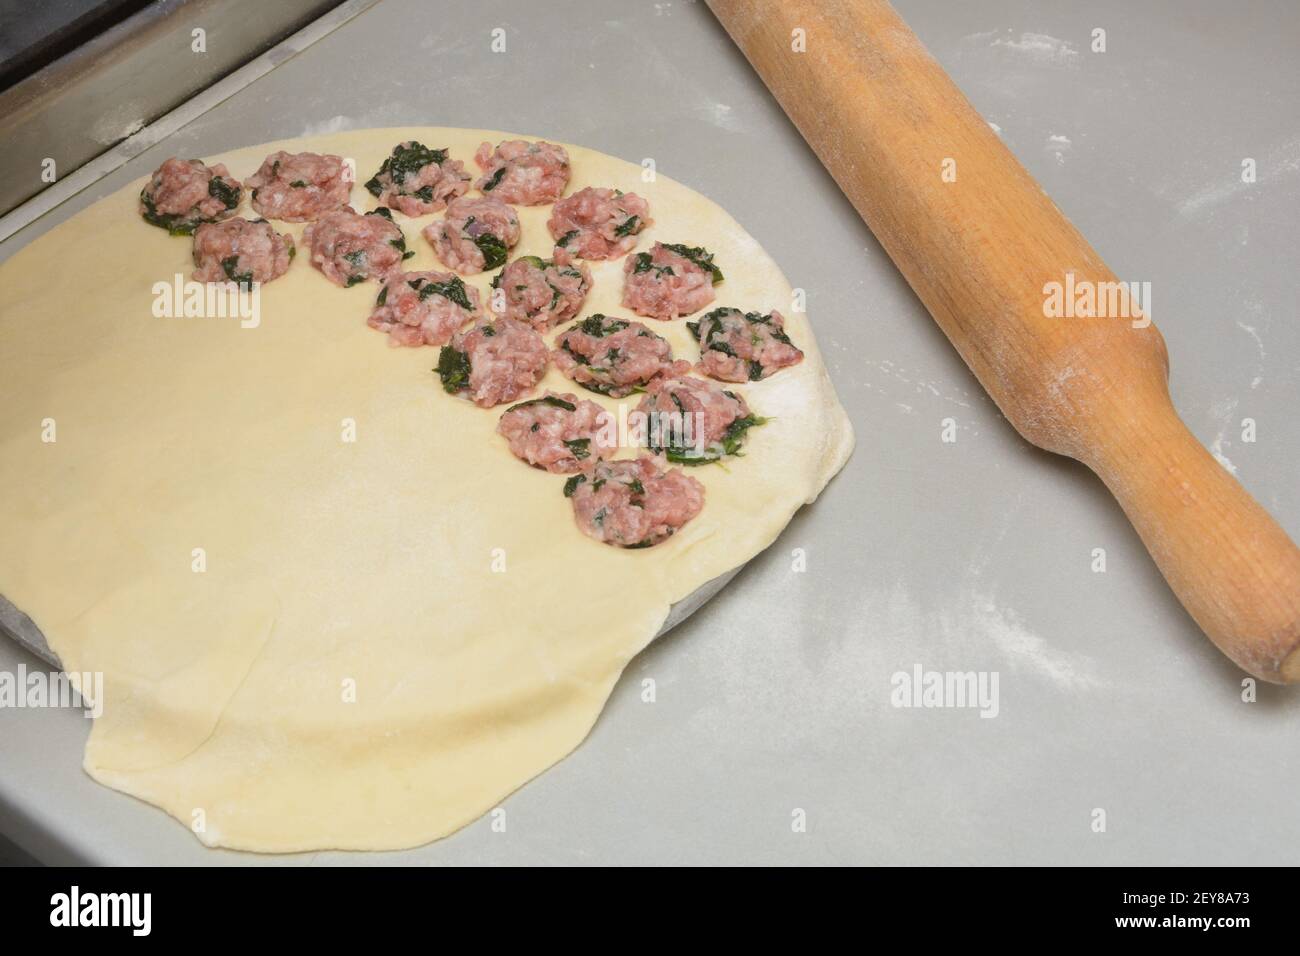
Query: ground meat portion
{"points": [[474, 236], [423, 308], [614, 357], [300, 187], [740, 346], [241, 251], [523, 173], [542, 292], [417, 180], [597, 223], [693, 421], [349, 248], [494, 362], [669, 280], [184, 193], [560, 433], [633, 504]]}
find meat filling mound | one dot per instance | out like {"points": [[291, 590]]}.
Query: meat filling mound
{"points": [[241, 251], [670, 280], [493, 362], [560, 433], [614, 357], [349, 248], [740, 346], [523, 173], [416, 180], [633, 504], [692, 421], [183, 194], [541, 292], [598, 223], [300, 187], [474, 236], [423, 308]]}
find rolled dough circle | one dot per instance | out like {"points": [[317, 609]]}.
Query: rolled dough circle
{"points": [[331, 610]]}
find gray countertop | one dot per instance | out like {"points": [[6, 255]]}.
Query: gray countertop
{"points": [[966, 556]]}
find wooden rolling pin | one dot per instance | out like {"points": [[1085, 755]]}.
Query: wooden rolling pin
{"points": [[980, 241]]}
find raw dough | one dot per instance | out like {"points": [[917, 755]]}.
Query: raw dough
{"points": [[330, 564]]}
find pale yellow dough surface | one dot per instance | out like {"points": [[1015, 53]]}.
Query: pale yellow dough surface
{"points": [[333, 564]]}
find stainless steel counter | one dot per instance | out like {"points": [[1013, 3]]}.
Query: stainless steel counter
{"points": [[972, 556]]}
